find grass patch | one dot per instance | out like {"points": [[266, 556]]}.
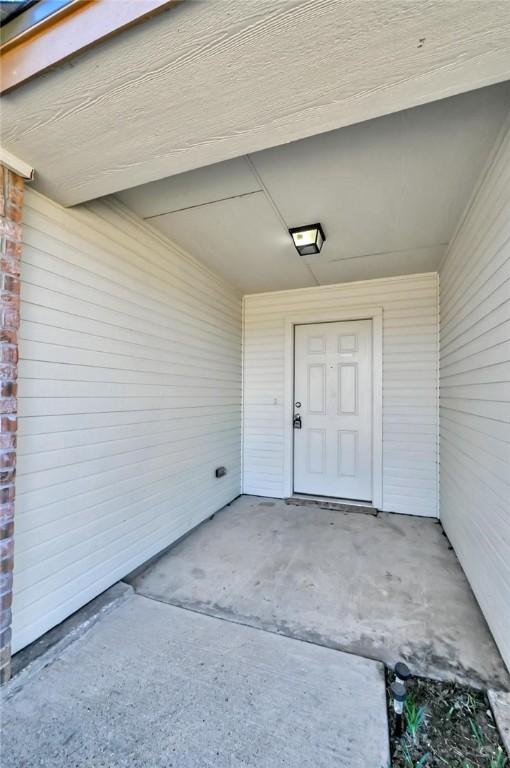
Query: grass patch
{"points": [[447, 726]]}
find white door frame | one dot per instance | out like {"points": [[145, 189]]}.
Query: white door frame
{"points": [[375, 314]]}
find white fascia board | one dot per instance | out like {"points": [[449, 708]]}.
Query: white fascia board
{"points": [[15, 164]]}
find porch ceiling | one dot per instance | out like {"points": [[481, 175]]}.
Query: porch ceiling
{"points": [[389, 193], [208, 81]]}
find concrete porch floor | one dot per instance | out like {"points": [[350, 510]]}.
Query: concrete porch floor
{"points": [[386, 587]]}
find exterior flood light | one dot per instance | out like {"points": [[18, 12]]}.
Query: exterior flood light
{"points": [[308, 239]]}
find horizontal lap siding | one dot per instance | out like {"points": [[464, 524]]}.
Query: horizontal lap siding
{"points": [[129, 397], [475, 395], [410, 342]]}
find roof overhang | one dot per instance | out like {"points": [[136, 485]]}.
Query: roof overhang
{"points": [[209, 81]]}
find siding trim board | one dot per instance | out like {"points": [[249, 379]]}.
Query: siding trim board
{"points": [[129, 397]]}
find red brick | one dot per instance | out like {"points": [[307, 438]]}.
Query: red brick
{"points": [[7, 459], [9, 283], [7, 476], [10, 300], [5, 637], [6, 601], [7, 494], [5, 654], [5, 612], [7, 530], [8, 405], [8, 352], [10, 253], [8, 423], [5, 582], [10, 317], [6, 558], [10, 229], [8, 388], [5, 554], [7, 371], [7, 441], [6, 513], [13, 251]]}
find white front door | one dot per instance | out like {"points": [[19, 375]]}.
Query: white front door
{"points": [[333, 400]]}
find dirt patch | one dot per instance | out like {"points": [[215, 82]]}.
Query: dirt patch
{"points": [[446, 725]]}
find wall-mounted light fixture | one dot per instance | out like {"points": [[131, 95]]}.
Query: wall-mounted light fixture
{"points": [[308, 239]]}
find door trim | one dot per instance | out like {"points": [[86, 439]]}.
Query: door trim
{"points": [[375, 314]]}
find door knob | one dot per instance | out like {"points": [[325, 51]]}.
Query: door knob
{"points": [[296, 423]]}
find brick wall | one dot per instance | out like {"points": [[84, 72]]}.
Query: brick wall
{"points": [[11, 202]]}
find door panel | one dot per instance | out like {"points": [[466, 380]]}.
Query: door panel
{"points": [[316, 344], [333, 384], [347, 389], [347, 453], [316, 451], [316, 392]]}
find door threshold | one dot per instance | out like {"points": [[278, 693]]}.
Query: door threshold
{"points": [[327, 502]]}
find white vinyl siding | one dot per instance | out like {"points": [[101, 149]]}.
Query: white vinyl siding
{"points": [[475, 395], [410, 384], [129, 397]]}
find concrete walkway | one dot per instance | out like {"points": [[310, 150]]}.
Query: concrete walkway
{"points": [[500, 703], [157, 686], [384, 587]]}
